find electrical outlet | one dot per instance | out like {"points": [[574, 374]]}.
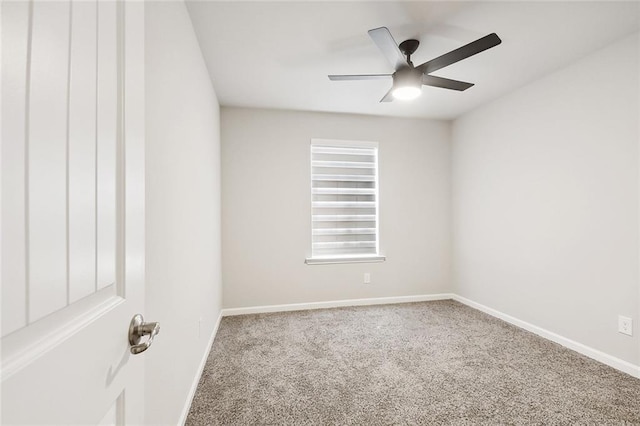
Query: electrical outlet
{"points": [[625, 325], [367, 278]]}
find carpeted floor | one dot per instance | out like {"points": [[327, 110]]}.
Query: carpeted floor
{"points": [[425, 363]]}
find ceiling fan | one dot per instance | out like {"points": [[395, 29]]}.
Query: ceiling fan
{"points": [[407, 78]]}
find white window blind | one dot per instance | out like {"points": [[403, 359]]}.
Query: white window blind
{"points": [[344, 194]]}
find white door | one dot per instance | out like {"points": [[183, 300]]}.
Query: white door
{"points": [[72, 211]]}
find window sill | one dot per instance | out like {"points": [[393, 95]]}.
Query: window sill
{"points": [[333, 260]]}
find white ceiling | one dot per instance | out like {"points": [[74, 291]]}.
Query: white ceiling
{"points": [[278, 54]]}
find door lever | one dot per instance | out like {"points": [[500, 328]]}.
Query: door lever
{"points": [[139, 328]]}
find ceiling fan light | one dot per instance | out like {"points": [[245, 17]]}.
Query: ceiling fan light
{"points": [[406, 93], [407, 84]]}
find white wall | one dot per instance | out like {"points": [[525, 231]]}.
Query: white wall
{"points": [[545, 201], [183, 209], [266, 208]]}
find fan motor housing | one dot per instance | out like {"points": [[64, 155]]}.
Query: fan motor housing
{"points": [[407, 77]]}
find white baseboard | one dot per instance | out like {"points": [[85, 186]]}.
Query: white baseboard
{"points": [[334, 304], [196, 379], [617, 363]]}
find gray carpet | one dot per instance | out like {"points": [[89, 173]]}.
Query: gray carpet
{"points": [[420, 363]]}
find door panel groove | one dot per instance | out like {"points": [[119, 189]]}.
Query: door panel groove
{"points": [[68, 262], [95, 189], [27, 119]]}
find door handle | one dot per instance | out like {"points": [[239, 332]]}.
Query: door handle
{"points": [[139, 328]]}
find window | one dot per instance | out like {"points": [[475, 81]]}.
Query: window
{"points": [[344, 197]]}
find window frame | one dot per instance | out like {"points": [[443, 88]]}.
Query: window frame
{"points": [[363, 258]]}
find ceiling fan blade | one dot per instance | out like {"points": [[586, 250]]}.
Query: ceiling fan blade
{"points": [[460, 53], [388, 97], [359, 77], [445, 83], [385, 42]]}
